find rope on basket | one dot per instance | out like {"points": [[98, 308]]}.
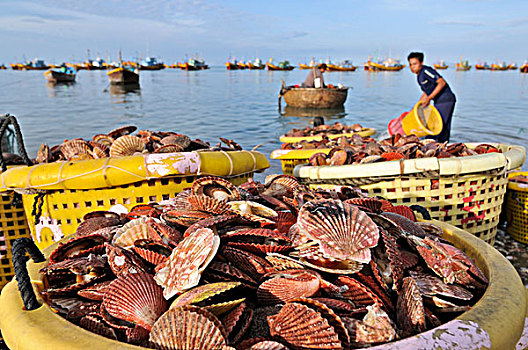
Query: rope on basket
{"points": [[20, 247]]}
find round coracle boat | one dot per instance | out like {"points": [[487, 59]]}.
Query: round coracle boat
{"points": [[315, 98], [260, 278]]}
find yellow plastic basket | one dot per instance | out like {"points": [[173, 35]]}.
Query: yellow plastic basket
{"points": [[290, 158], [466, 192], [60, 194], [13, 225], [292, 139], [517, 209]]}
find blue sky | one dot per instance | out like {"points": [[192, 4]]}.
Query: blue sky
{"points": [[58, 30]]}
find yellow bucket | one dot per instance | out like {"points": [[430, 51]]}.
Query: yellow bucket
{"points": [[422, 121]]}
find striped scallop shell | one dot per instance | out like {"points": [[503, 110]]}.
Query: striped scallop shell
{"points": [[99, 150], [151, 256], [215, 187], [342, 230], [358, 293], [288, 285], [410, 315], [188, 328], [132, 231], [268, 345], [371, 204], [208, 204], [202, 293], [126, 145], [76, 150], [95, 324], [288, 181], [135, 298], [235, 317], [301, 326], [123, 130], [403, 210], [223, 307], [281, 262], [182, 141], [171, 148], [254, 212], [183, 268], [103, 139]]}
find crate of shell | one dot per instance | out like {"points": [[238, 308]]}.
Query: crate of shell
{"points": [[120, 170], [271, 265], [461, 184], [314, 137]]}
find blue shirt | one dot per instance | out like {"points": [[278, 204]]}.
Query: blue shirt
{"points": [[427, 80]]}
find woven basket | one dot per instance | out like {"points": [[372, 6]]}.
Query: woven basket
{"points": [[466, 192], [517, 209]]}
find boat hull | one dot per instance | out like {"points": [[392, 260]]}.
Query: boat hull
{"points": [[274, 67], [158, 66], [231, 66], [461, 68], [315, 98], [334, 68], [524, 69], [122, 76], [437, 66], [380, 67], [59, 77]]}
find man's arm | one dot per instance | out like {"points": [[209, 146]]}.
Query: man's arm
{"points": [[440, 83]]}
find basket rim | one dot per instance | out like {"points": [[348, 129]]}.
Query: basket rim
{"points": [[512, 157], [514, 185]]}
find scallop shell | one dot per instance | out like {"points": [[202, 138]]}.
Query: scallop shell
{"points": [[288, 181], [183, 268], [251, 264], [90, 225], [371, 204], [221, 308], [228, 272], [202, 293], [181, 141], [132, 231], [151, 256], [268, 345], [237, 321], [254, 212], [215, 187], [410, 314], [432, 285], [285, 220], [376, 327], [99, 150], [43, 153], [75, 246], [281, 262], [135, 298], [171, 148], [126, 145], [181, 201], [103, 139], [403, 210], [185, 217], [96, 324], [268, 241], [76, 149], [208, 204], [388, 156], [342, 231], [288, 285], [303, 327], [188, 328], [124, 130], [95, 292], [358, 293]]}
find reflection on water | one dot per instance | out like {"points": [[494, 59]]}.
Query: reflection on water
{"points": [[58, 88], [119, 92], [330, 113]]}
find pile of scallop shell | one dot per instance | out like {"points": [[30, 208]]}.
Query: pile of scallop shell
{"points": [[360, 150], [336, 128], [260, 266], [120, 143]]}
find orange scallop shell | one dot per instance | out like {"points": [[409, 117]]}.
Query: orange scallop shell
{"points": [[170, 148], [188, 328], [342, 230], [288, 285], [410, 314], [403, 210], [301, 326], [208, 204], [135, 298], [126, 145], [183, 268], [203, 292], [215, 187], [371, 204], [123, 130], [132, 231], [358, 293], [76, 149]]}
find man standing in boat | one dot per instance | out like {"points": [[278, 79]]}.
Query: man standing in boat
{"points": [[315, 77], [434, 88]]}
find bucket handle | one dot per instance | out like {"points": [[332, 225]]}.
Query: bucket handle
{"points": [[6, 120], [422, 210], [20, 247]]}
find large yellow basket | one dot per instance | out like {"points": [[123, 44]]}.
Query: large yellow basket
{"points": [[497, 319], [13, 225], [466, 192], [56, 196], [517, 209]]}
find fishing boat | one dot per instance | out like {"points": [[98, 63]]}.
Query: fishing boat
{"points": [[232, 65], [512, 66], [2, 66], [389, 65], [482, 66], [97, 64], [463, 66], [440, 65], [524, 68], [195, 64], [345, 66], [310, 65], [256, 64], [284, 65], [242, 65], [151, 63], [123, 76], [61, 75], [300, 97], [36, 64], [499, 66]]}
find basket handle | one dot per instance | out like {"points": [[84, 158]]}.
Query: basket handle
{"points": [[422, 210], [6, 120], [20, 247]]}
